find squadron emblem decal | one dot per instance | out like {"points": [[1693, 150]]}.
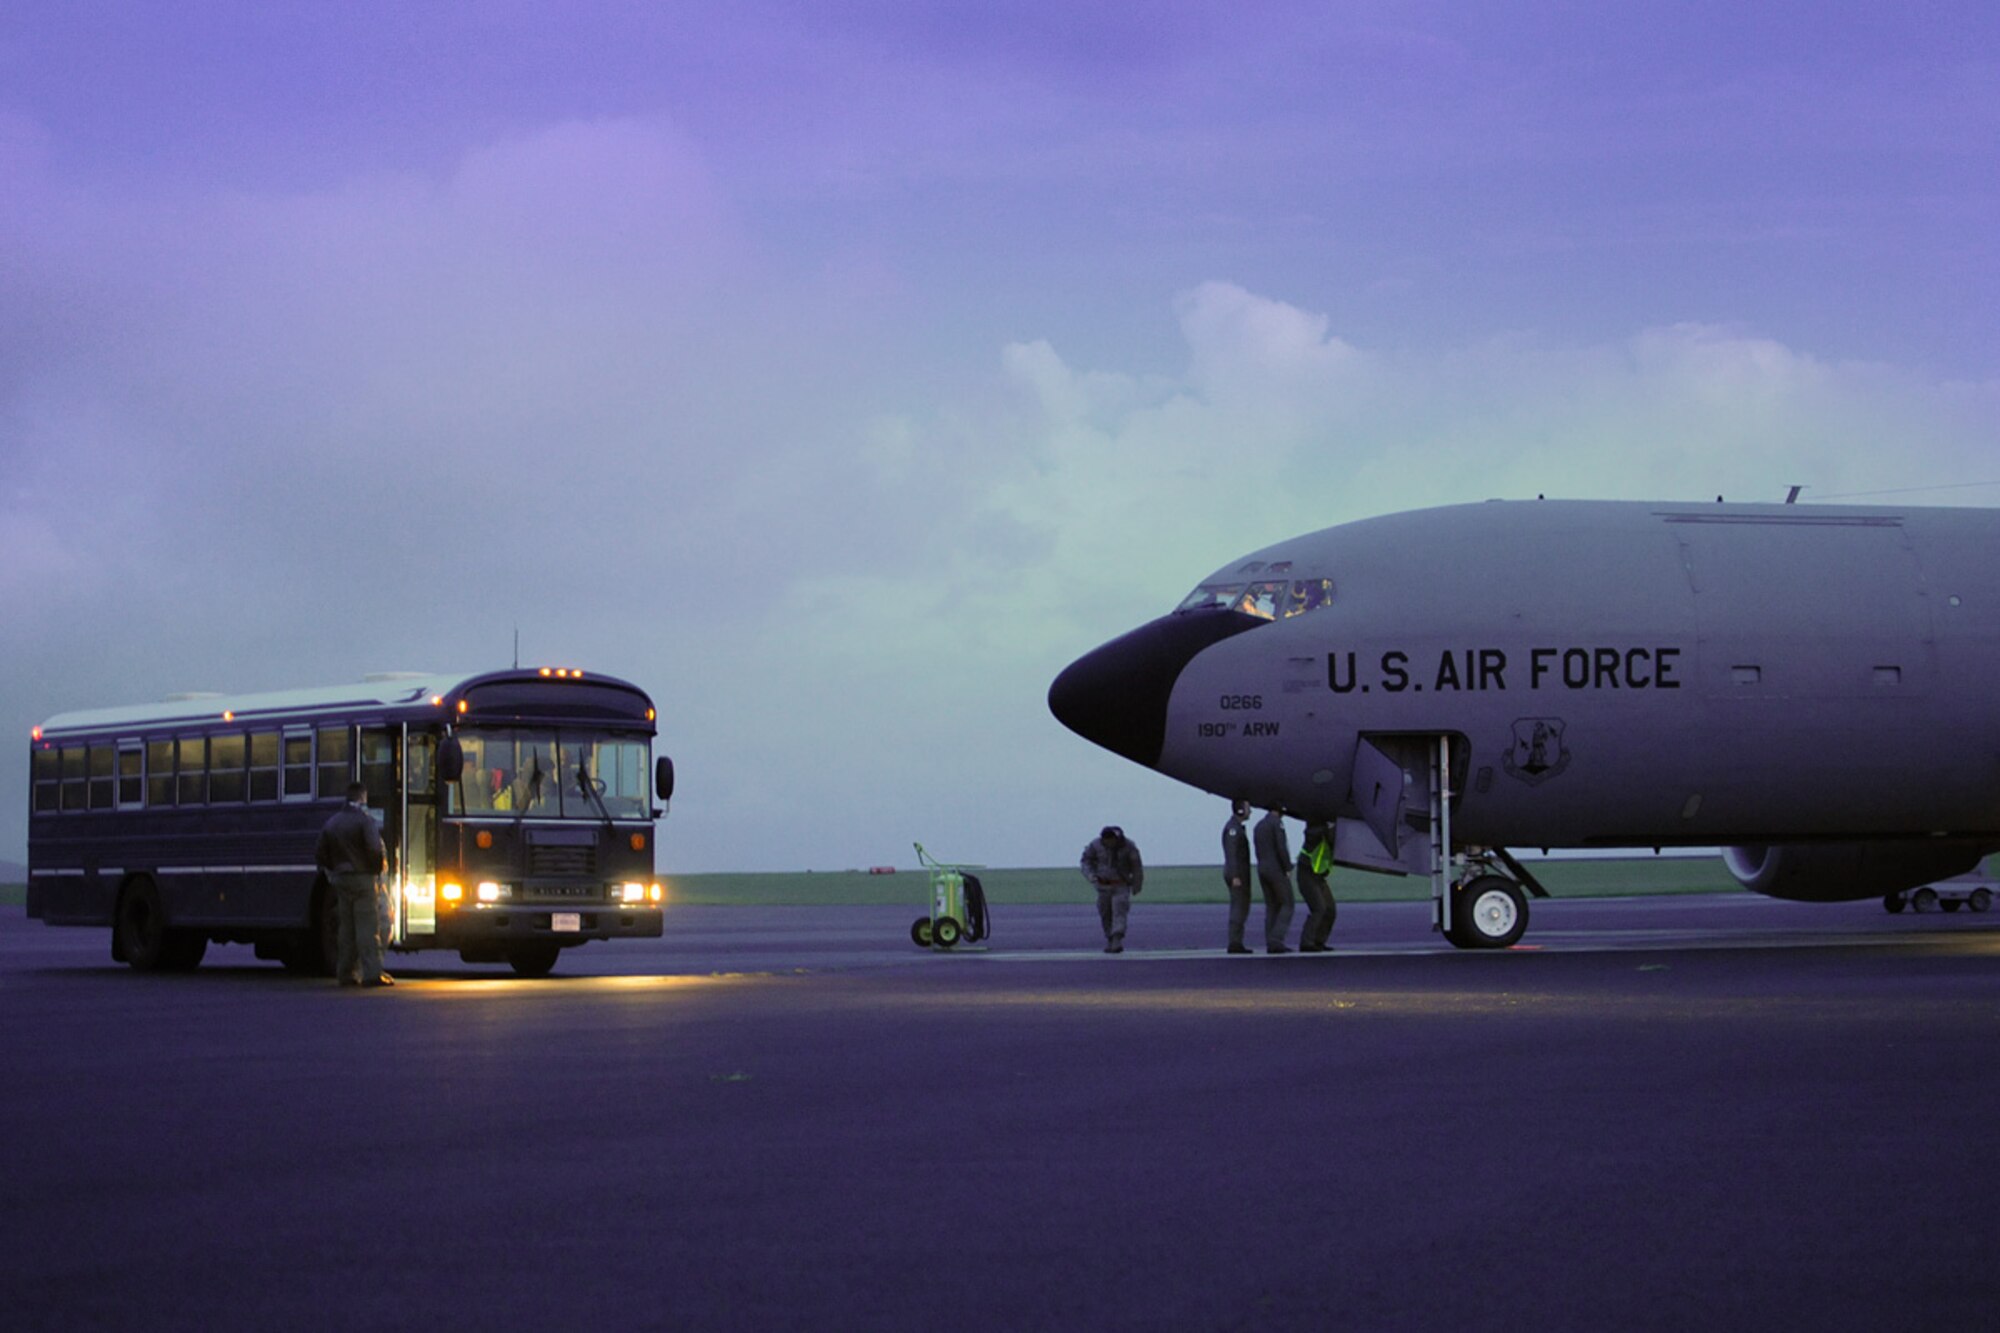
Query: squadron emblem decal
{"points": [[1538, 752]]}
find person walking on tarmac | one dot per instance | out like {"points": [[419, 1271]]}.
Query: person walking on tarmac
{"points": [[1274, 867], [1236, 873], [1111, 863], [350, 853], [1315, 859]]}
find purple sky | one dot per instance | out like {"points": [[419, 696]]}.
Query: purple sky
{"points": [[839, 372]]}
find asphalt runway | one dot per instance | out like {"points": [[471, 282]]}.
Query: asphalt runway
{"points": [[1664, 1113]]}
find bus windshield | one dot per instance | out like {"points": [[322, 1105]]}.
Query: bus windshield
{"points": [[550, 775]]}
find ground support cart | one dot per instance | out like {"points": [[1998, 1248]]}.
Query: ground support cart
{"points": [[958, 906]]}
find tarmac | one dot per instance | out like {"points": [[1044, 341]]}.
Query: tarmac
{"points": [[1716, 1111]]}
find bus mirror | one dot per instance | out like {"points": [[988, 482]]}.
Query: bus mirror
{"points": [[663, 778], [451, 759]]}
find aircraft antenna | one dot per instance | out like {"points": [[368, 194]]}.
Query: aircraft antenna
{"points": [[1792, 496], [517, 647]]}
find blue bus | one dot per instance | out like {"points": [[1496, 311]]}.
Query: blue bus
{"points": [[517, 808]]}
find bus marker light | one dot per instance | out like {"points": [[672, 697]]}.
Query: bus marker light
{"points": [[654, 893], [638, 842], [450, 892], [483, 839], [35, 734]]}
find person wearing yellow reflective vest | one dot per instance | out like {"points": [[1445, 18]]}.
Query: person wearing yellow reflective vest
{"points": [[1314, 861]]}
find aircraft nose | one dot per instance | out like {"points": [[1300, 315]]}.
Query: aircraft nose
{"points": [[1116, 695]]}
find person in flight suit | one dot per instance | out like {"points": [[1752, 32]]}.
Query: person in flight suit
{"points": [[1274, 867], [1111, 863], [1236, 873], [1313, 888], [350, 853]]}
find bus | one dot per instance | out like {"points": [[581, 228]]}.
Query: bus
{"points": [[517, 809]]}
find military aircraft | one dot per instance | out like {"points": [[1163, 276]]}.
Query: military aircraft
{"points": [[1813, 688]]}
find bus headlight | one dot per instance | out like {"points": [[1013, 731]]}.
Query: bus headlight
{"points": [[632, 893], [489, 892]]}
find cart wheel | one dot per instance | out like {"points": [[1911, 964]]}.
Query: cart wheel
{"points": [[946, 932], [1924, 900], [1980, 900], [920, 931]]}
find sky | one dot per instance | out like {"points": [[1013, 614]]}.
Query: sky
{"points": [[839, 372]]}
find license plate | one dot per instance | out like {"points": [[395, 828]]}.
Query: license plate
{"points": [[569, 921]]}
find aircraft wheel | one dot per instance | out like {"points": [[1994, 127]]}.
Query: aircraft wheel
{"points": [[1491, 912], [920, 932], [1948, 904], [1892, 902], [946, 932], [1981, 900], [1924, 900], [534, 960], [139, 927]]}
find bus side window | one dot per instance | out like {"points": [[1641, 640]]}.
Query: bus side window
{"points": [[225, 767], [298, 765], [131, 775], [103, 769], [159, 772], [74, 783], [336, 749], [263, 765], [48, 779], [378, 766], [193, 768]]}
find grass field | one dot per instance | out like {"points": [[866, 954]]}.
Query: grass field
{"points": [[1185, 884], [1172, 884]]}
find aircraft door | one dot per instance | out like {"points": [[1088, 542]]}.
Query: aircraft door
{"points": [[1380, 787], [1391, 793]]}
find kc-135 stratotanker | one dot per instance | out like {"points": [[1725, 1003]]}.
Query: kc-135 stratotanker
{"points": [[1810, 687]]}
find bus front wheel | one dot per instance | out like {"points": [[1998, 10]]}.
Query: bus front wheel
{"points": [[534, 960]]}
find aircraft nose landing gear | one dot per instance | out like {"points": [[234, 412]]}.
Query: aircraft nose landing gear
{"points": [[1487, 912]]}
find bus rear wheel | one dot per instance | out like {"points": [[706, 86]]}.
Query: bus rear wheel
{"points": [[534, 960], [145, 940]]}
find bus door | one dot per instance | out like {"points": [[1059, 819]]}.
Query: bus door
{"points": [[381, 773], [418, 904]]}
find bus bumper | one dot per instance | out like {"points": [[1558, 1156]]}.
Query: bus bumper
{"points": [[495, 930]]}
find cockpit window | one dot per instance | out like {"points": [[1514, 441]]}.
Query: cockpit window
{"points": [[1211, 595], [1308, 595], [1274, 599], [1262, 600]]}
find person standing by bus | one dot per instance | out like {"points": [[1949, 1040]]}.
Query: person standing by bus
{"points": [[1111, 863], [1274, 875], [350, 852], [1236, 873]]}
